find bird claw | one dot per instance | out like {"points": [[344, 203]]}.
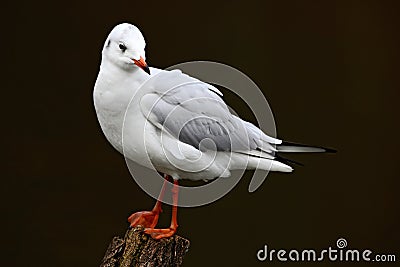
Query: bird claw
{"points": [[147, 219], [160, 233]]}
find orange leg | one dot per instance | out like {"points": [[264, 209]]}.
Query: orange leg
{"points": [[162, 233], [149, 219]]}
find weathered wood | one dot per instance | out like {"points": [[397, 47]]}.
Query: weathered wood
{"points": [[138, 250]]}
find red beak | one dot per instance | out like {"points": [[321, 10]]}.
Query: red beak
{"points": [[142, 64]]}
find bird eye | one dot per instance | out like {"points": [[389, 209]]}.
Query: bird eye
{"points": [[122, 47]]}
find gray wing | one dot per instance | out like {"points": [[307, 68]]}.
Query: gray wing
{"points": [[194, 113]]}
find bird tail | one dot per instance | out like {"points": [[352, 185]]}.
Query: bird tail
{"points": [[289, 147]]}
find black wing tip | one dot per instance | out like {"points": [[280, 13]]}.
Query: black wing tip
{"points": [[327, 150], [330, 150]]}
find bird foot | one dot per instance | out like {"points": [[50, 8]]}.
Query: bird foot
{"points": [[147, 219], [160, 233]]}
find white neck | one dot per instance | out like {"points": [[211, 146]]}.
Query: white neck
{"points": [[113, 91]]}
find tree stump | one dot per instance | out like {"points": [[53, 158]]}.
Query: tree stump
{"points": [[138, 250]]}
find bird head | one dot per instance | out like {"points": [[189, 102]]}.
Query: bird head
{"points": [[124, 47]]}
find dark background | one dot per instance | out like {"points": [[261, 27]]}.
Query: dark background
{"points": [[328, 69]]}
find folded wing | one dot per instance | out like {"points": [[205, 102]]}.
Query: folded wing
{"points": [[193, 112]]}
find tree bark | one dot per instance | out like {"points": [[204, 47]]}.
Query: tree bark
{"points": [[138, 250]]}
